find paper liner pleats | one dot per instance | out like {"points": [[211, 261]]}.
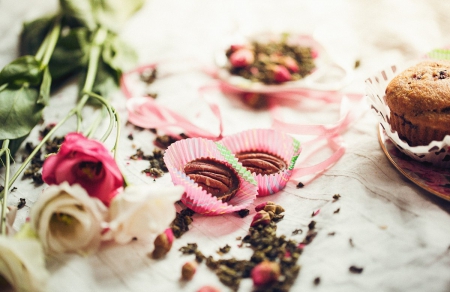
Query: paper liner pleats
{"points": [[437, 152], [197, 199], [269, 141]]}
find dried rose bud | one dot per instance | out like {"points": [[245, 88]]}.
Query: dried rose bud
{"points": [[279, 210], [291, 64], [271, 208], [208, 288], [188, 270], [235, 47], [314, 54], [241, 58], [163, 243], [265, 273], [263, 205], [281, 73], [271, 214], [262, 217]]}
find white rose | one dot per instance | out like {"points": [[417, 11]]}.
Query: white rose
{"points": [[142, 212], [22, 264], [66, 219]]}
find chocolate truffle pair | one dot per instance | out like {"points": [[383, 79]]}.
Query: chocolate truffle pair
{"points": [[221, 180]]}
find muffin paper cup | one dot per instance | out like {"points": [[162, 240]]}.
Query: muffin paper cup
{"points": [[437, 152], [270, 141], [197, 199]]}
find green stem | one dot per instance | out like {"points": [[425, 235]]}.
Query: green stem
{"points": [[5, 149], [48, 45], [38, 147], [110, 112], [94, 57], [91, 130]]}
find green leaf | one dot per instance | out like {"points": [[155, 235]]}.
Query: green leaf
{"points": [[70, 54], [118, 55], [44, 92], [22, 70], [109, 13], [14, 145], [19, 111], [33, 34], [81, 10]]}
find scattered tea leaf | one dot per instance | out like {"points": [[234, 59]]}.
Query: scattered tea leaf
{"points": [[355, 270], [22, 203], [243, 213], [300, 185], [317, 281]]}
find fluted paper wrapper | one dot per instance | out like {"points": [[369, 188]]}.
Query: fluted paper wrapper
{"points": [[270, 141], [437, 152], [197, 199]]}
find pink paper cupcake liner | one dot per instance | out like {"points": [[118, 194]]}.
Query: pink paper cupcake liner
{"points": [[437, 152], [197, 199], [270, 141]]}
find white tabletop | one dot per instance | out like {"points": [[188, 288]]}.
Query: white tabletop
{"points": [[400, 233]]}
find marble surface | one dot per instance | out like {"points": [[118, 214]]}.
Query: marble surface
{"points": [[400, 233]]}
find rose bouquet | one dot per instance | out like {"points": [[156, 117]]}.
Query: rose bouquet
{"points": [[88, 200]]}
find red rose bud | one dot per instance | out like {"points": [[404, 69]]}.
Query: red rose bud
{"points": [[281, 74], [235, 47], [242, 58], [188, 270], [163, 243], [208, 289], [291, 64], [263, 205], [265, 273], [262, 217], [314, 54]]}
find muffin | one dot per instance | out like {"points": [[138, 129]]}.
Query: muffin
{"points": [[419, 101]]}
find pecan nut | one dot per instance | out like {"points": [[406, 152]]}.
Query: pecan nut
{"points": [[261, 162], [214, 177]]}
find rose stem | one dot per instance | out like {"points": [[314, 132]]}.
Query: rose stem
{"points": [[43, 54], [94, 55]]}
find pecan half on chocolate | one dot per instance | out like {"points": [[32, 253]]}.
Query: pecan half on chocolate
{"points": [[261, 162], [214, 177]]}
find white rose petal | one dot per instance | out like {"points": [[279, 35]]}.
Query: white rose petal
{"points": [[142, 212], [66, 219], [22, 264], [10, 217]]}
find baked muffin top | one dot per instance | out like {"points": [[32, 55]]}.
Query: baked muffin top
{"points": [[422, 92]]}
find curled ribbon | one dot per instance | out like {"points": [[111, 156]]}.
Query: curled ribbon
{"points": [[147, 113]]}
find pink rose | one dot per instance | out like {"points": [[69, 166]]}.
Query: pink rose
{"points": [[86, 162], [242, 58]]}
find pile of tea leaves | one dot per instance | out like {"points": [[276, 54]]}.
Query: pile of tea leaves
{"points": [[266, 246], [268, 55]]}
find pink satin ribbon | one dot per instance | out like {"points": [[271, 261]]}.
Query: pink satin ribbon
{"points": [[147, 113]]}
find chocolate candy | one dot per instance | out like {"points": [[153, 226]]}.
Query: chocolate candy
{"points": [[261, 162], [214, 177]]}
